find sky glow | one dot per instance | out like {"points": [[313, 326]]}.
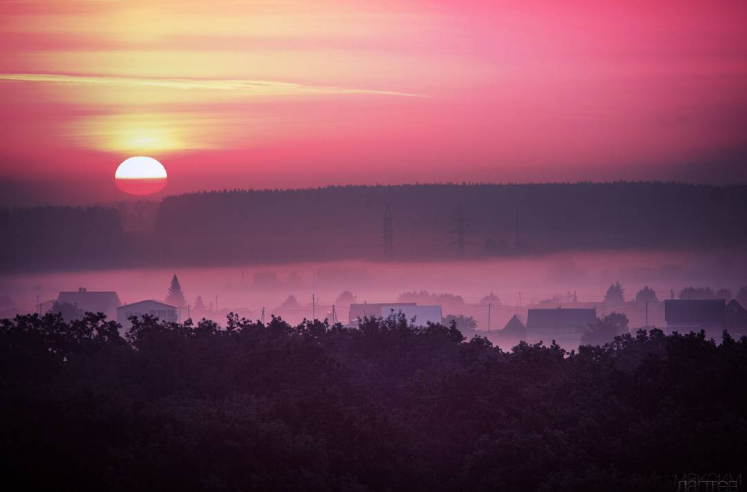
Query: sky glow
{"points": [[299, 93]]}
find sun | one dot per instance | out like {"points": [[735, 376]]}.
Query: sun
{"points": [[140, 176]]}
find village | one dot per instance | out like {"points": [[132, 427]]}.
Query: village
{"points": [[562, 319]]}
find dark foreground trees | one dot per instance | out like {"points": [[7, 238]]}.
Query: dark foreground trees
{"points": [[385, 407]]}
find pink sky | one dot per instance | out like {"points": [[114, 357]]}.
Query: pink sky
{"points": [[297, 93]]}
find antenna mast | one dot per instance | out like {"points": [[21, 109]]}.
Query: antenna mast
{"points": [[388, 234], [461, 228]]}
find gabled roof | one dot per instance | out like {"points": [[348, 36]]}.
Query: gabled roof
{"points": [[694, 311], [514, 327], [560, 318], [91, 301], [735, 315], [148, 301]]}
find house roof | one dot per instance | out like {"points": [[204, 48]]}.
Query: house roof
{"points": [[373, 309], [421, 314], [735, 315], [694, 311], [560, 318], [148, 301], [514, 327], [91, 301]]}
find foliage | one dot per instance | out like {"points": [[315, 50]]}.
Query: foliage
{"points": [[345, 298], [646, 294], [490, 299], [200, 304], [48, 238], [382, 407], [175, 295], [465, 324], [697, 293], [619, 215], [424, 297], [605, 329], [725, 294], [69, 312], [615, 294], [291, 302]]}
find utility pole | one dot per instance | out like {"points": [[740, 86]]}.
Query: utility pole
{"points": [[263, 315], [38, 304], [490, 304], [388, 231], [313, 306], [334, 315], [461, 227], [189, 311]]}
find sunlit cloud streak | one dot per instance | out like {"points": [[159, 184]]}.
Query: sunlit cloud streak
{"points": [[287, 93], [239, 87]]}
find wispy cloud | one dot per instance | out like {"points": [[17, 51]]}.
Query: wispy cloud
{"points": [[234, 86]]}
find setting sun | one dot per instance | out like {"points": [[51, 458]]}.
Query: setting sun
{"points": [[140, 176]]}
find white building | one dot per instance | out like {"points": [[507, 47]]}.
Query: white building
{"points": [[422, 314], [370, 309], [416, 315], [160, 310]]}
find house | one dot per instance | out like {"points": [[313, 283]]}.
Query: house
{"points": [[565, 326], [513, 333], [514, 329], [735, 318], [360, 311], [416, 315], [92, 302], [689, 315], [160, 310]]}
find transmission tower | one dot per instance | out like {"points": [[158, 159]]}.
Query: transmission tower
{"points": [[459, 230], [388, 231]]}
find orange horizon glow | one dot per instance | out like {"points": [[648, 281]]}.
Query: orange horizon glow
{"points": [[314, 92]]}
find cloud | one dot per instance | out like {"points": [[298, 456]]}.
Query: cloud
{"points": [[240, 87]]}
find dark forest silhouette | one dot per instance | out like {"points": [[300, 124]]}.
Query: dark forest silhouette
{"points": [[382, 407], [61, 237], [349, 222]]}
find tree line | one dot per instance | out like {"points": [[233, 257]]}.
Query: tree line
{"points": [[342, 222], [61, 237], [386, 406]]}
